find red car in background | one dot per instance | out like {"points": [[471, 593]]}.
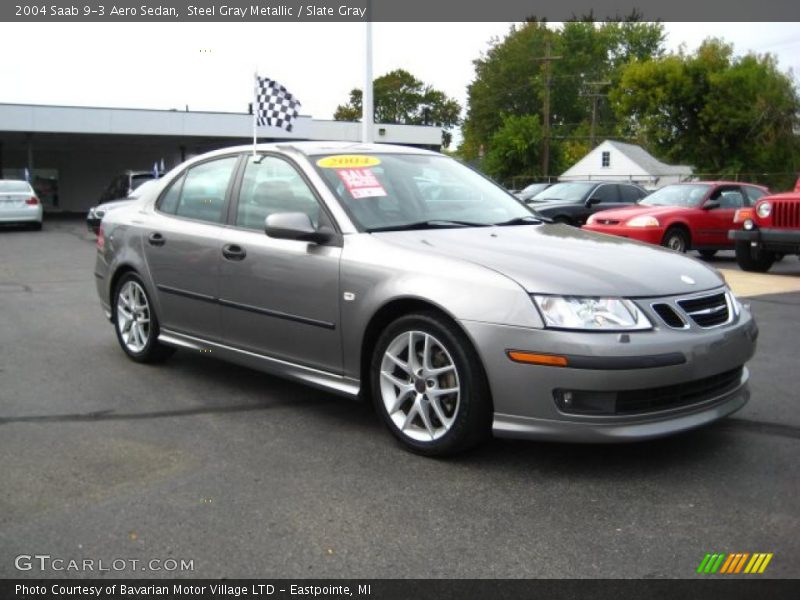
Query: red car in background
{"points": [[682, 216]]}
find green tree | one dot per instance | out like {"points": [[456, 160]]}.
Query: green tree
{"points": [[515, 149], [399, 97], [510, 79], [724, 115]]}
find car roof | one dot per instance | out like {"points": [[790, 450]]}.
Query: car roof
{"points": [[316, 148], [720, 182]]}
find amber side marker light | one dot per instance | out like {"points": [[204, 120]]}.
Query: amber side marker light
{"points": [[534, 358], [742, 214]]}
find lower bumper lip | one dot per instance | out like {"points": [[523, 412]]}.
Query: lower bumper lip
{"points": [[656, 425]]}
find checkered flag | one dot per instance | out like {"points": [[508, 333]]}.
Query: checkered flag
{"points": [[274, 106]]}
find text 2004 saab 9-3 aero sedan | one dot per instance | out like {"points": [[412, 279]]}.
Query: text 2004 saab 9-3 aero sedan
{"points": [[401, 275]]}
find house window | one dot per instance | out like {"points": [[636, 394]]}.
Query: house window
{"points": [[606, 159]]}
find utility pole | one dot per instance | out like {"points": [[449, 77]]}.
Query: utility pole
{"points": [[595, 98], [548, 82]]}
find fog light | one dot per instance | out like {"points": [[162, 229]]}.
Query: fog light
{"points": [[579, 402], [748, 224]]}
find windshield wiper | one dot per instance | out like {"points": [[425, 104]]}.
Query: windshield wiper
{"points": [[432, 224], [526, 220]]}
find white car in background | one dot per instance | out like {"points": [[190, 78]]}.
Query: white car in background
{"points": [[19, 203]]}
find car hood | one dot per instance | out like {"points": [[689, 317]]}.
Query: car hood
{"points": [[559, 259], [623, 214]]}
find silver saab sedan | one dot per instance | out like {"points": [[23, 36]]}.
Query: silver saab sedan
{"points": [[400, 275]]}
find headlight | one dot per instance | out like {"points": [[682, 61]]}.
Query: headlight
{"points": [[593, 314], [764, 209], [643, 222]]}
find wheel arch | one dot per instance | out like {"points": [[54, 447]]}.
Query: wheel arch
{"points": [[388, 312], [683, 226]]}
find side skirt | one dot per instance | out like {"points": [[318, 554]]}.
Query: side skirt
{"points": [[343, 386]]}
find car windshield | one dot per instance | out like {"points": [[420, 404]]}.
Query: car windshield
{"points": [[686, 195], [383, 192], [564, 192], [533, 189], [14, 186]]}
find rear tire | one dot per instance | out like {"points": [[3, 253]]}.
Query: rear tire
{"points": [[677, 239], [429, 386], [136, 323], [753, 259]]}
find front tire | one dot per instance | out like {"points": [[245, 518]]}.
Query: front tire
{"points": [[429, 386], [136, 322], [753, 258]]}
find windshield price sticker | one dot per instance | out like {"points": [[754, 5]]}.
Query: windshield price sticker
{"points": [[361, 183], [348, 161]]}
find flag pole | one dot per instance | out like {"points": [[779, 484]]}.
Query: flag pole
{"points": [[368, 113], [255, 112]]}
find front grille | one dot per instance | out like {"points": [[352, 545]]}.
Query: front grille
{"points": [[707, 311], [669, 315], [786, 213], [607, 221], [631, 402], [681, 394]]}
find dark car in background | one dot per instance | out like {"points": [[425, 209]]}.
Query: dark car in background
{"points": [[124, 184], [95, 215], [573, 202], [530, 191]]}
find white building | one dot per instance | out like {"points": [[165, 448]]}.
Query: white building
{"points": [[616, 161], [72, 152]]}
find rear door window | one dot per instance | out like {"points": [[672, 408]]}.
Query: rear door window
{"points": [[200, 193]]}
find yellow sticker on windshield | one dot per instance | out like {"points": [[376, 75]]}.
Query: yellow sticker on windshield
{"points": [[348, 161]]}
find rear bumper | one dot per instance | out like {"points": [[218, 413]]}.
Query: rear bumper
{"points": [[649, 235], [22, 214]]}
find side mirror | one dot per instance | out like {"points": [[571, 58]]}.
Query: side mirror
{"points": [[592, 201], [711, 205], [294, 226]]}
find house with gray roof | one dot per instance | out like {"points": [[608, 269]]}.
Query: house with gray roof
{"points": [[617, 161]]}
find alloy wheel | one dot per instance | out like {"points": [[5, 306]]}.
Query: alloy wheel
{"points": [[133, 316], [419, 385]]}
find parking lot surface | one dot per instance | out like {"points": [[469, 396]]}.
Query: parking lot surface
{"points": [[247, 475]]}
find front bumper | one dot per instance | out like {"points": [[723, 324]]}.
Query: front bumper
{"points": [[649, 235], [767, 237], [524, 394]]}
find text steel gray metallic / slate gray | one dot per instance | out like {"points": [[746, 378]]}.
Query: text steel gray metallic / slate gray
{"points": [[393, 11]]}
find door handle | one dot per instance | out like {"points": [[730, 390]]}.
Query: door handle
{"points": [[156, 239], [233, 252]]}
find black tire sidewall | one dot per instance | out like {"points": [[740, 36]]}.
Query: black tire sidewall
{"points": [[473, 422]]}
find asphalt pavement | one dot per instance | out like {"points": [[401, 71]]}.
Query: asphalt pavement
{"points": [[247, 475]]}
